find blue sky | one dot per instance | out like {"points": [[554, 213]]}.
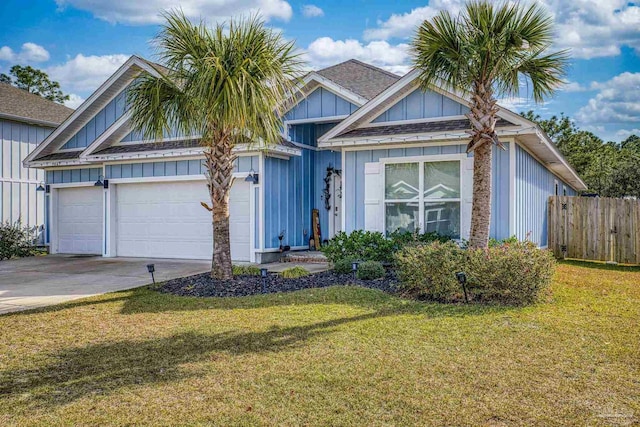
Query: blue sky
{"points": [[81, 42]]}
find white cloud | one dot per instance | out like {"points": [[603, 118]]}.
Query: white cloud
{"points": [[85, 73], [590, 28], [625, 133], [570, 87], [404, 24], [74, 101], [519, 103], [30, 52], [595, 28], [148, 11], [312, 11], [618, 101], [325, 51]]}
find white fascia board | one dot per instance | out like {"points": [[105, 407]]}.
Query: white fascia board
{"points": [[133, 60], [416, 137]]}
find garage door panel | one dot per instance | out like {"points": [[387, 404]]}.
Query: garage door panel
{"points": [[166, 220], [79, 220]]}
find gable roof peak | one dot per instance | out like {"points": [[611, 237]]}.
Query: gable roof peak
{"points": [[363, 79]]}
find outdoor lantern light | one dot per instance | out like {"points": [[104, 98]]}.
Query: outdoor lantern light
{"points": [[462, 279], [263, 276], [40, 186], [151, 268], [252, 177], [354, 268], [99, 182]]}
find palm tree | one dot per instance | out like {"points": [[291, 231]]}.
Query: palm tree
{"points": [[228, 84], [487, 51]]}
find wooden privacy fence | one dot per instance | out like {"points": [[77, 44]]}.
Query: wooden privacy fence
{"points": [[594, 228]]}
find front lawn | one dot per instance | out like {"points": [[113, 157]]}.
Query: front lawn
{"points": [[331, 356]]}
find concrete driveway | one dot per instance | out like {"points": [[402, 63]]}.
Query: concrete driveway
{"points": [[40, 281]]}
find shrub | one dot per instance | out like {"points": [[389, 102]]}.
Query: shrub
{"points": [[370, 270], [428, 271], [360, 245], [509, 240], [246, 270], [343, 266], [402, 239], [511, 273], [15, 240], [294, 272]]}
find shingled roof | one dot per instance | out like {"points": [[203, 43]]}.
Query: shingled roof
{"points": [[20, 105], [412, 128], [363, 79]]}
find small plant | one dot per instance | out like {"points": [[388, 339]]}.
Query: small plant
{"points": [[343, 266], [370, 270], [509, 240], [246, 270], [294, 272], [15, 240]]}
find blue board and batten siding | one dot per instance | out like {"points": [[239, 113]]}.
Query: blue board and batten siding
{"points": [[321, 103], [99, 123], [534, 184], [19, 200], [422, 105], [68, 176], [173, 168], [354, 176]]}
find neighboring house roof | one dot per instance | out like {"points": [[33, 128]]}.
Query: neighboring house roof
{"points": [[412, 128], [21, 105], [363, 79]]}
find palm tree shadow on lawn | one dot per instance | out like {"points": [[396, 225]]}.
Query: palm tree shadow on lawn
{"points": [[99, 369]]}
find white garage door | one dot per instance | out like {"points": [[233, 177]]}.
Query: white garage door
{"points": [[79, 223], [166, 220]]}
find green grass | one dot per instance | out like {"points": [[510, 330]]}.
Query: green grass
{"points": [[335, 356]]}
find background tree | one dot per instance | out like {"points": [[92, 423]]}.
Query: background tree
{"points": [[34, 81], [488, 50], [608, 168], [228, 84]]}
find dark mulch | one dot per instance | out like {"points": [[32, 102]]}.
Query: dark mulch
{"points": [[202, 285]]}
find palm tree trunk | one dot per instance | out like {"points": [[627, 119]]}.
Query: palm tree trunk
{"points": [[483, 122], [481, 208], [219, 161]]}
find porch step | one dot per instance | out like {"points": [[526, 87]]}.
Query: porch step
{"points": [[305, 256]]}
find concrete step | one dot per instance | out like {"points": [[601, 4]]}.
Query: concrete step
{"points": [[305, 256]]}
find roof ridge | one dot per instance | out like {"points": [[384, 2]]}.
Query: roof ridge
{"points": [[375, 68]]}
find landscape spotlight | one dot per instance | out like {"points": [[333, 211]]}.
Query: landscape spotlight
{"points": [[151, 268]]}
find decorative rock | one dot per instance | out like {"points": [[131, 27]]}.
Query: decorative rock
{"points": [[202, 285]]}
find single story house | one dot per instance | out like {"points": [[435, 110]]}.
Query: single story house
{"points": [[365, 147], [26, 120]]}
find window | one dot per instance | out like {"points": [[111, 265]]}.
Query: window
{"points": [[423, 196]]}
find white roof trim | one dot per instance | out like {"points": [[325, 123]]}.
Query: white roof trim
{"points": [[133, 60]]}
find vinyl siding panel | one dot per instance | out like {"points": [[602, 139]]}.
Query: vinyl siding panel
{"points": [[534, 184], [421, 105], [320, 103], [18, 199]]}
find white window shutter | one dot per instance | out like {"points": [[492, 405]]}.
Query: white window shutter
{"points": [[373, 191], [466, 197]]}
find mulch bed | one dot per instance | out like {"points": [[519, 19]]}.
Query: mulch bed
{"points": [[202, 285]]}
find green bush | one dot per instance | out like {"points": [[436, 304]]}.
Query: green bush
{"points": [[343, 266], [509, 240], [428, 271], [512, 273], [374, 246], [360, 245], [370, 270], [294, 272], [246, 270], [15, 240]]}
